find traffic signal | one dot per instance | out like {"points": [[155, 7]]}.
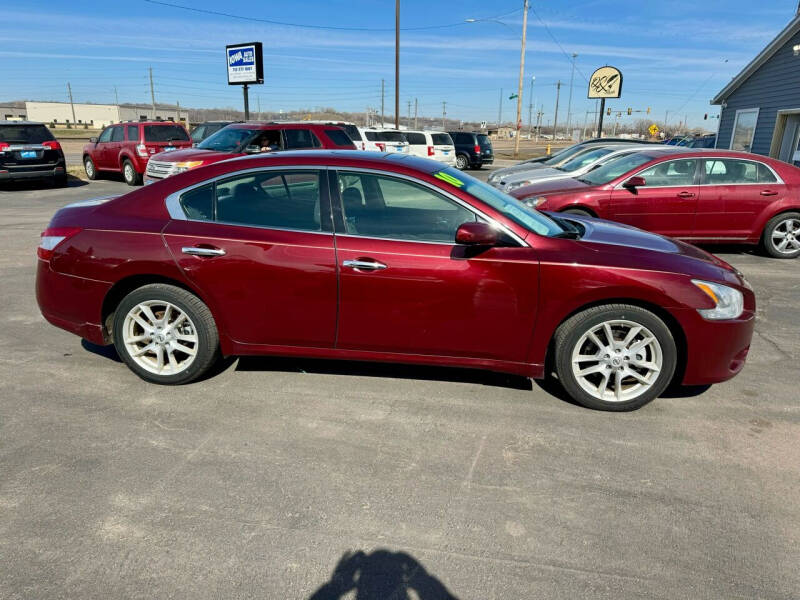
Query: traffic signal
{"points": [[630, 111], [705, 117], [608, 112], [648, 110]]}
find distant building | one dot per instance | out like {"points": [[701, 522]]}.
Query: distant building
{"points": [[12, 113], [97, 115], [761, 105]]}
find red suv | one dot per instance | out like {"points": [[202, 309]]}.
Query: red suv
{"points": [[705, 196], [239, 139], [358, 256], [126, 147]]}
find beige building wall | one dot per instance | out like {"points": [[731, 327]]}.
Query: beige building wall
{"points": [[96, 115]]}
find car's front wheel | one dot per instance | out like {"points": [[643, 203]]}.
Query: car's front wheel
{"points": [[782, 236], [462, 162], [130, 174], [88, 166], [165, 334], [615, 357]]}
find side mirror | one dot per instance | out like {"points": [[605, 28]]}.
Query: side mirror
{"points": [[635, 182], [93, 140], [476, 234], [252, 150]]}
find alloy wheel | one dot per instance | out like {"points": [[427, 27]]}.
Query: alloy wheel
{"points": [[617, 360], [160, 337], [130, 175], [786, 236], [89, 166]]}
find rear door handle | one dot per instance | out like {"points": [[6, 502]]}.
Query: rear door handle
{"points": [[364, 264], [769, 193], [685, 195], [196, 251]]}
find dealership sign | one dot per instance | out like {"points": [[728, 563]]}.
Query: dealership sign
{"points": [[605, 82], [245, 63]]}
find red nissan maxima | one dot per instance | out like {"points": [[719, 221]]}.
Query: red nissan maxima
{"points": [[703, 196], [351, 255]]}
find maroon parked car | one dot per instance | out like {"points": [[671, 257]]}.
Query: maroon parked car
{"points": [[706, 196], [358, 256]]}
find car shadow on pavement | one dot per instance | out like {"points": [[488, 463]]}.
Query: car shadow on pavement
{"points": [[26, 185], [380, 575], [108, 352], [385, 370]]}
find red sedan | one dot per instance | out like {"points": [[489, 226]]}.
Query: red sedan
{"points": [[358, 256], [706, 196]]}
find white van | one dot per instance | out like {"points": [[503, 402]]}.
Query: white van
{"points": [[436, 145], [384, 140]]}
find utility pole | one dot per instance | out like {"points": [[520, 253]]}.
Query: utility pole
{"points": [[539, 116], [116, 95], [530, 108], [408, 118], [500, 110], [521, 75], [383, 119], [258, 102], [397, 64], [416, 102], [71, 103], [152, 93], [178, 118], [666, 114], [555, 117], [444, 114], [569, 103]]}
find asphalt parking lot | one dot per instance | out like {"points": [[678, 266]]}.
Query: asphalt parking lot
{"points": [[283, 478]]}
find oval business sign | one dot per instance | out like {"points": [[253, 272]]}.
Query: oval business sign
{"points": [[605, 82]]}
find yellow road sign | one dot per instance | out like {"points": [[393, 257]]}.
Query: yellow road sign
{"points": [[653, 129]]}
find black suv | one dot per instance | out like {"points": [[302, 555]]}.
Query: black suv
{"points": [[29, 151], [473, 150]]}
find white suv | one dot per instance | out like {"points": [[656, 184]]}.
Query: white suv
{"points": [[384, 140], [436, 145]]}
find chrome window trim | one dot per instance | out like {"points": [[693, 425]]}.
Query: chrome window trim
{"points": [[438, 190]]}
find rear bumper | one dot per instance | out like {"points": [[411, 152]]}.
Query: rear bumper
{"points": [[71, 303], [479, 161], [9, 173], [715, 350]]}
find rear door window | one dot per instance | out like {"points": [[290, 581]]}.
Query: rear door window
{"points": [[132, 132], [165, 133], [117, 133], [25, 134], [300, 138], [338, 137]]}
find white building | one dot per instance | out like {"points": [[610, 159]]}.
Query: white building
{"points": [[97, 115]]}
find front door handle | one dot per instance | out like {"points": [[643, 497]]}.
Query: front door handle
{"points": [[685, 195], [769, 193], [196, 251], [364, 264]]}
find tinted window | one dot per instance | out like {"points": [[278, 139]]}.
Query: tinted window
{"points": [[418, 139], [670, 173], [338, 137], [106, 135], [198, 133], [284, 200], [132, 131], [24, 134], [391, 136], [300, 138], [484, 141], [765, 174], [385, 207], [441, 139], [199, 203], [165, 133], [730, 171], [371, 135], [230, 139], [352, 132], [116, 134]]}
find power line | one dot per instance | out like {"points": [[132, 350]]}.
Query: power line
{"points": [[550, 33]]}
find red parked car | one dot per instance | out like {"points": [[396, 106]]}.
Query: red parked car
{"points": [[705, 196], [240, 139], [126, 147], [354, 255]]}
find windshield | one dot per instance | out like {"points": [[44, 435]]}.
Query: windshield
{"points": [[615, 168], [565, 155], [230, 139], [510, 207], [585, 159]]}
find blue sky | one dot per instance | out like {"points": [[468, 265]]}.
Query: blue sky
{"points": [[674, 55]]}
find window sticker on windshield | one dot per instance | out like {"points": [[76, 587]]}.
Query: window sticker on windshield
{"points": [[449, 179]]}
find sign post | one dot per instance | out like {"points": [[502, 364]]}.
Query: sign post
{"points": [[605, 82], [245, 66]]}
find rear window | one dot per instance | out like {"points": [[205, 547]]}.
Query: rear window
{"points": [[441, 139], [483, 141], [338, 137], [391, 136], [164, 133], [418, 139], [25, 134]]}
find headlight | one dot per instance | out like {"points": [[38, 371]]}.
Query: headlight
{"points": [[180, 167], [729, 301], [535, 201], [518, 184]]}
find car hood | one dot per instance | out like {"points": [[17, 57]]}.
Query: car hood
{"points": [[553, 186], [207, 156]]}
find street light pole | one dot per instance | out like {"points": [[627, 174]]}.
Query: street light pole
{"points": [[397, 64], [569, 103], [530, 107], [521, 76]]}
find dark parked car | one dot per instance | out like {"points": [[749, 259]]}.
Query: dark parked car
{"points": [[473, 150], [29, 151], [354, 255], [204, 130], [706, 196]]}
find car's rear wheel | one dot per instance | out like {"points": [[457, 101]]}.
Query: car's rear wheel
{"points": [[781, 237], [462, 162], [577, 211], [616, 357], [165, 334], [88, 166], [130, 174]]}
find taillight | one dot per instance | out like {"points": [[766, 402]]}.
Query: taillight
{"points": [[52, 144], [52, 237], [141, 150], [363, 146], [477, 149], [381, 147], [4, 146], [430, 150]]}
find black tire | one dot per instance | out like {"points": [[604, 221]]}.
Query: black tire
{"points": [[207, 349], [129, 173], [779, 223], [462, 162], [573, 329], [577, 211], [90, 168]]}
